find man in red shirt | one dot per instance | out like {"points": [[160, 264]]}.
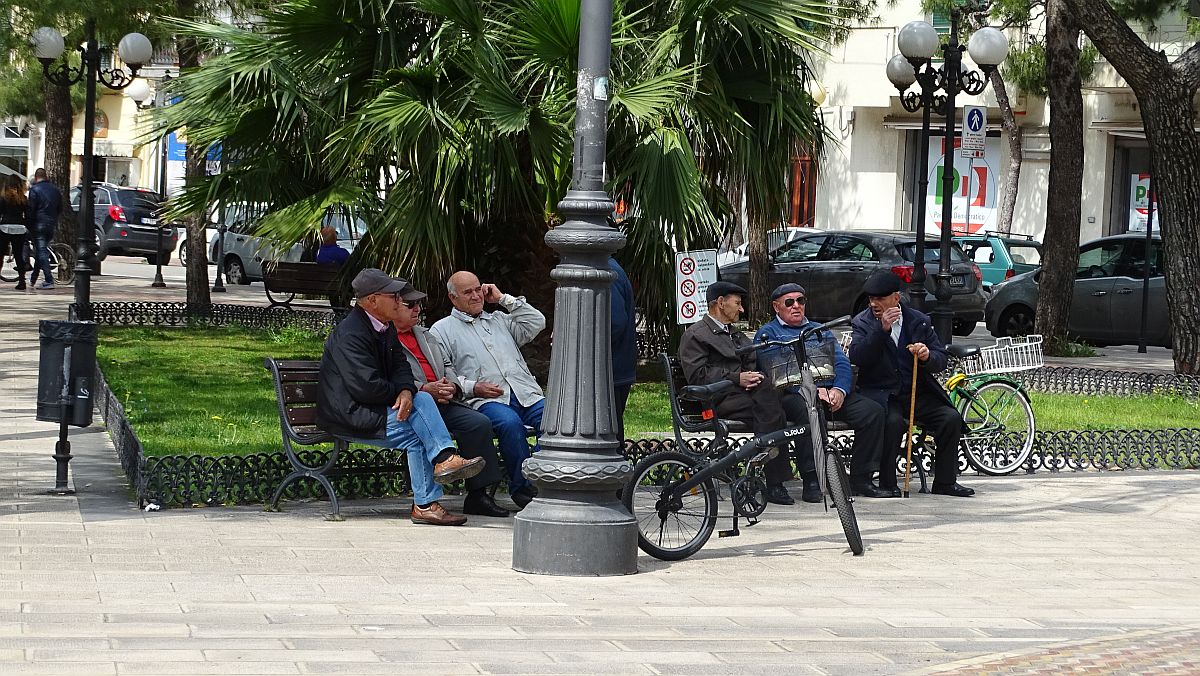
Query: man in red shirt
{"points": [[472, 430]]}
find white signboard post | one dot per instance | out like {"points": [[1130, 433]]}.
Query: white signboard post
{"points": [[694, 271]]}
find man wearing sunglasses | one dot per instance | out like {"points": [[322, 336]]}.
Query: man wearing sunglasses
{"points": [[434, 374], [367, 395], [836, 390]]}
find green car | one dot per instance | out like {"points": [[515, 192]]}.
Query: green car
{"points": [[1000, 256]]}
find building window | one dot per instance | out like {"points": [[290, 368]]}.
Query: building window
{"points": [[804, 191]]}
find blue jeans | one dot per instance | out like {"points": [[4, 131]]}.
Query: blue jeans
{"points": [[422, 436], [509, 421], [41, 252]]}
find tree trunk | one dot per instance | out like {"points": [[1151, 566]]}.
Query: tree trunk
{"points": [[757, 311], [198, 295], [1012, 132], [59, 119], [1165, 92], [1060, 248]]}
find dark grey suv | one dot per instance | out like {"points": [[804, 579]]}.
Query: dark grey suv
{"points": [[127, 222], [832, 266]]}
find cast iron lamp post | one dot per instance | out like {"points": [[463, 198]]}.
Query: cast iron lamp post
{"points": [[576, 525], [48, 46], [139, 92], [938, 87]]}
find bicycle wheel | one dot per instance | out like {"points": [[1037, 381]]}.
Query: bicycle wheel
{"points": [[670, 527], [1000, 427], [62, 261]]}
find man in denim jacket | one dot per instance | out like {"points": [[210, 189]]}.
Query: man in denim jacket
{"points": [[864, 416]]}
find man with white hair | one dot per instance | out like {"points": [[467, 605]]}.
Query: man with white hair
{"points": [[485, 349]]}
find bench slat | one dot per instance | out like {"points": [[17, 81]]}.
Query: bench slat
{"points": [[301, 415], [299, 393]]}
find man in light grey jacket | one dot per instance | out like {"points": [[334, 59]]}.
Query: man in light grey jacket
{"points": [[485, 349]]}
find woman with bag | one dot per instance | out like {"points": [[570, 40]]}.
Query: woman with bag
{"points": [[14, 215]]}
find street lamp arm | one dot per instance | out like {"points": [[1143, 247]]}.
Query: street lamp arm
{"points": [[972, 82], [62, 73], [116, 78], [912, 101]]}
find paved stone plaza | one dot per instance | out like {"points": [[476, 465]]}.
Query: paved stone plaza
{"points": [[1037, 574]]}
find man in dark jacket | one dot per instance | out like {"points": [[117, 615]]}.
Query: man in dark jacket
{"points": [[624, 341], [886, 336], [708, 354], [45, 206], [365, 376]]}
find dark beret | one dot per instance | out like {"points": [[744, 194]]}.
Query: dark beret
{"points": [[882, 283], [718, 289], [785, 289]]}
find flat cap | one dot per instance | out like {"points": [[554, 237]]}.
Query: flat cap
{"points": [[374, 280], [784, 289], [718, 289], [882, 283]]}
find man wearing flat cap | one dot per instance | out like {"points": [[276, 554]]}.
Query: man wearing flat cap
{"points": [[835, 389], [708, 354], [367, 395], [886, 337]]}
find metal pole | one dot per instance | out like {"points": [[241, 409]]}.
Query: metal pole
{"points": [[162, 192], [916, 290], [158, 278], [576, 525], [62, 449], [943, 315], [1146, 267], [87, 217]]}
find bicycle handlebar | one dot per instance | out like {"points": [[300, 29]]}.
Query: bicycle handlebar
{"points": [[754, 347]]}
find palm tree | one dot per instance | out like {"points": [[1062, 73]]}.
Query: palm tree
{"points": [[451, 124]]}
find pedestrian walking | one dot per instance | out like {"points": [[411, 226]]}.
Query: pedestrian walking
{"points": [[14, 220], [45, 207]]}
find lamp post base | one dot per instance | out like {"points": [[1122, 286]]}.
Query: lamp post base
{"points": [[586, 535]]}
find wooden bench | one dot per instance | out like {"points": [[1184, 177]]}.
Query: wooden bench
{"points": [[296, 384], [285, 280]]}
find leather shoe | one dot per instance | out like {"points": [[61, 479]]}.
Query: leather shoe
{"points": [[869, 490], [456, 467], [956, 490], [778, 495], [524, 496], [479, 502], [894, 491], [436, 515], [812, 491]]}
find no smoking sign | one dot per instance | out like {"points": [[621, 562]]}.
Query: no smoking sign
{"points": [[694, 271]]}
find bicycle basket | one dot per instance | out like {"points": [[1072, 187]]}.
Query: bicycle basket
{"points": [[1006, 356], [783, 370]]}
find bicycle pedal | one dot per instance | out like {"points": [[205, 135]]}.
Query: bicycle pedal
{"points": [[731, 533], [751, 522]]}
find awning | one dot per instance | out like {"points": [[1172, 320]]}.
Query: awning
{"points": [[936, 123], [103, 147]]}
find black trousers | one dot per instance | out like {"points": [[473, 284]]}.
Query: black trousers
{"points": [[621, 393], [17, 244], [761, 409], [473, 432], [939, 420], [864, 416]]}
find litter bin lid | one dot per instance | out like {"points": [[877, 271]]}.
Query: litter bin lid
{"points": [[64, 331]]}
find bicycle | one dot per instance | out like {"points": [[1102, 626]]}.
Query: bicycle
{"points": [[62, 263], [996, 409], [673, 494]]}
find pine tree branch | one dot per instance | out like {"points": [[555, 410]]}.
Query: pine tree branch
{"points": [[1138, 63], [1187, 66]]}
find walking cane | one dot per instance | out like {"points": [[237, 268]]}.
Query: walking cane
{"points": [[912, 410]]}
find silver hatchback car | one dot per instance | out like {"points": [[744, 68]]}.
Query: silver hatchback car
{"points": [[1106, 307], [245, 253]]}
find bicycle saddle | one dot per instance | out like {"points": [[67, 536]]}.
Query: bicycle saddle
{"points": [[707, 392], [962, 351]]}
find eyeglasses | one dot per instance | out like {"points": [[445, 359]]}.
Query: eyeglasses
{"points": [[410, 304], [788, 302]]}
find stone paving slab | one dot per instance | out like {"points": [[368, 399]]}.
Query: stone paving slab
{"points": [[1050, 572]]}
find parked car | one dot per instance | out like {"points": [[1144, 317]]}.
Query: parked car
{"points": [[775, 239], [1000, 256], [245, 253], [127, 222], [832, 266], [1106, 306], [210, 234]]}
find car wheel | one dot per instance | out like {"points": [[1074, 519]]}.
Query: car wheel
{"points": [[235, 271], [183, 253], [1016, 321], [963, 327], [101, 246]]}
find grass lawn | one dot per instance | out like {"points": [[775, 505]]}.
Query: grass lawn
{"points": [[206, 392]]}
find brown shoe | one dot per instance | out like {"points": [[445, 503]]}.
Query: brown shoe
{"points": [[436, 515], [456, 467]]}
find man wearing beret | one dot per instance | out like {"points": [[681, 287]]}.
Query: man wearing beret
{"points": [[365, 377], [863, 415], [708, 354], [886, 336]]}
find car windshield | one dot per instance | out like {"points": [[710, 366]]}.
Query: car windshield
{"points": [[933, 252], [139, 199]]}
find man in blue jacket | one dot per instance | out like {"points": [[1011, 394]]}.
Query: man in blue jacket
{"points": [[864, 416], [45, 206], [624, 341], [886, 336]]}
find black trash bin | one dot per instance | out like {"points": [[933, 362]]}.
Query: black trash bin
{"points": [[54, 368]]}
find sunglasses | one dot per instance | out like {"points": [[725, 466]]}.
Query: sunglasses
{"points": [[788, 302], [410, 304]]}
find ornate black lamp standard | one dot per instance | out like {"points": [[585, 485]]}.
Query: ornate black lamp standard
{"points": [[576, 526], [139, 92], [918, 42], [135, 51]]}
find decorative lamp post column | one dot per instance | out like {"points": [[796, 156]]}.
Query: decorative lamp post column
{"points": [[135, 51], [576, 525], [139, 92], [938, 88]]}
